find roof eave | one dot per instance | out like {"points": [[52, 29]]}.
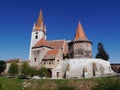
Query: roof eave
{"points": [[41, 46]]}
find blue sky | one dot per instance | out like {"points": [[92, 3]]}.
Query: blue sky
{"points": [[99, 18]]}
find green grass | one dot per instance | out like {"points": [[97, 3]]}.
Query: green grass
{"points": [[109, 83], [10, 84], [105, 83]]}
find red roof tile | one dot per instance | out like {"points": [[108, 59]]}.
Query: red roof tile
{"points": [[80, 35], [59, 44], [41, 43], [55, 44], [51, 54]]}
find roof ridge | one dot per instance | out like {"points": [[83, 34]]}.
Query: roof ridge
{"points": [[57, 40]]}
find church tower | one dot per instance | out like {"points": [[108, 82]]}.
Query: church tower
{"points": [[80, 46], [38, 32]]}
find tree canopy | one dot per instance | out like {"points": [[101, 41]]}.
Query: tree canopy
{"points": [[2, 66], [42, 71], [13, 69], [101, 52]]}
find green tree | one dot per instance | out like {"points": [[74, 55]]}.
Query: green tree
{"points": [[101, 52], [32, 71], [2, 66], [13, 69], [42, 71], [25, 69]]}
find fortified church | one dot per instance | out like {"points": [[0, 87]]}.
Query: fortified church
{"points": [[65, 59]]}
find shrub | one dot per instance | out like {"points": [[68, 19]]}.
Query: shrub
{"points": [[42, 72], [13, 69], [25, 69], [2, 66], [32, 71]]}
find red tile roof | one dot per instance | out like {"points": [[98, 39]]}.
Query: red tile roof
{"points": [[59, 44], [80, 35], [55, 44], [51, 54], [42, 42]]}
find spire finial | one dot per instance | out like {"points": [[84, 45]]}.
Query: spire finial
{"points": [[79, 22], [40, 19]]}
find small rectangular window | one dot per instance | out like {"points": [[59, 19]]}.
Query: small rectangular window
{"points": [[35, 59], [57, 74], [58, 61]]}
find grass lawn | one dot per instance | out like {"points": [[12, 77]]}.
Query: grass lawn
{"points": [[48, 84]]}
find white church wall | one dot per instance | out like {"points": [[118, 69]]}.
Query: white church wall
{"points": [[39, 34], [34, 40], [77, 65]]}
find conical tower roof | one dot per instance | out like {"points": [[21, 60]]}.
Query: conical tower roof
{"points": [[40, 19], [80, 35]]}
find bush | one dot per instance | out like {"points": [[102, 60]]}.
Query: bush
{"points": [[2, 66], [13, 69], [42, 72], [25, 69], [32, 71]]}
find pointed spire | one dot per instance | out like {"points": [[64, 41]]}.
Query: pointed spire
{"points": [[39, 25], [40, 19], [80, 35]]}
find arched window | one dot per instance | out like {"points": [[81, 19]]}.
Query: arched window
{"points": [[36, 37], [36, 32]]}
